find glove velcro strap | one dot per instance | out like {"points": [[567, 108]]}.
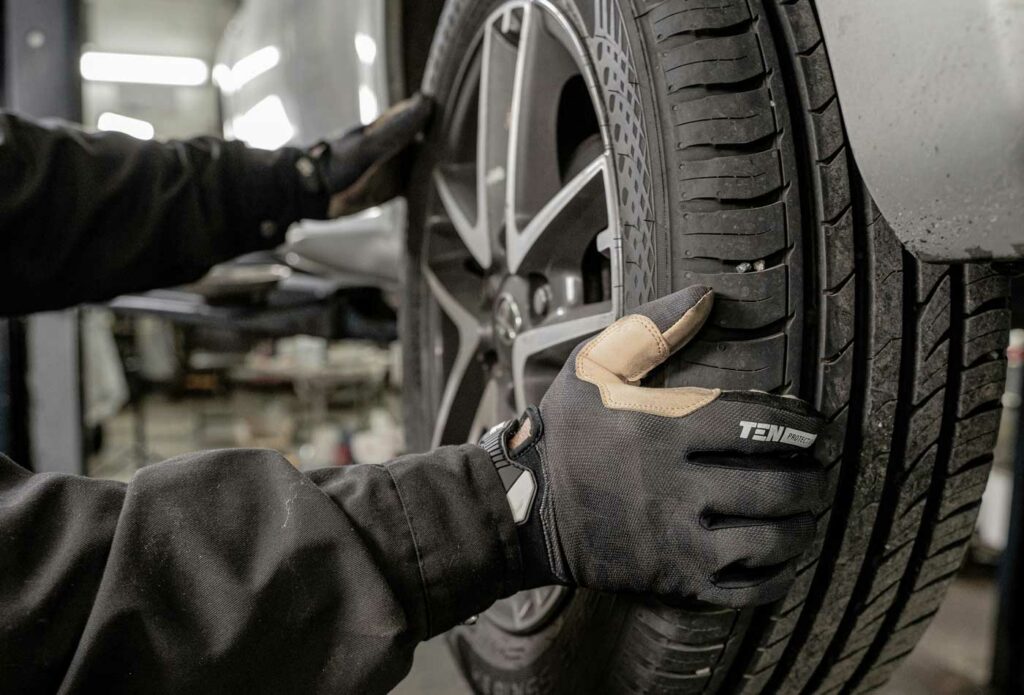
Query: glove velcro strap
{"points": [[512, 447], [518, 481]]}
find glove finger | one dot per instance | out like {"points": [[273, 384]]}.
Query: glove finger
{"points": [[743, 548], [398, 127], [635, 344], [383, 181], [679, 316], [763, 489], [770, 587]]}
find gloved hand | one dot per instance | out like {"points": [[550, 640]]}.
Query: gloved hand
{"points": [[365, 167], [683, 492]]}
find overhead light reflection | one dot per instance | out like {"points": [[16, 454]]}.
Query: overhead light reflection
{"points": [[143, 69], [369, 109], [115, 122], [247, 69], [265, 126], [366, 48]]}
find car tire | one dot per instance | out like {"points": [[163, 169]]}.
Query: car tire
{"points": [[734, 171]]}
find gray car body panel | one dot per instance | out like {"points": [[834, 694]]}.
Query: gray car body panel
{"points": [[332, 75], [932, 92]]}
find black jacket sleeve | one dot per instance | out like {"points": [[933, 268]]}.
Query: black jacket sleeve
{"points": [[88, 217], [232, 572]]}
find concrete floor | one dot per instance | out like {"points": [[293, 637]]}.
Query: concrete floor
{"points": [[954, 656]]}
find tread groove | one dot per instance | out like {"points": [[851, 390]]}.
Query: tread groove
{"points": [[890, 495], [934, 501]]}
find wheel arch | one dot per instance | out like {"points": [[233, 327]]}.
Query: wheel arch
{"points": [[932, 92]]}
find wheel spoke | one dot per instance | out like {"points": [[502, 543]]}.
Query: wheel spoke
{"points": [[492, 410], [543, 69], [458, 385], [497, 76], [522, 612], [571, 329], [526, 601], [580, 206], [457, 196]]}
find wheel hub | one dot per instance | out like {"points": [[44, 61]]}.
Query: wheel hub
{"points": [[508, 319]]}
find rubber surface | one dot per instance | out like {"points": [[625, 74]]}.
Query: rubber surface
{"points": [[735, 172]]}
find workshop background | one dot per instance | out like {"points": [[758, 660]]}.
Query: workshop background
{"points": [[257, 356]]}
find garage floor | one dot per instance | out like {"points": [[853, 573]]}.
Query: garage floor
{"points": [[954, 657]]}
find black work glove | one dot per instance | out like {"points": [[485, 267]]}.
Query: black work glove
{"points": [[367, 166], [682, 492]]}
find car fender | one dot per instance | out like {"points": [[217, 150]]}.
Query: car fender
{"points": [[932, 92]]}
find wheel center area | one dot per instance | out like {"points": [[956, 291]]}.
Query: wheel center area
{"points": [[508, 319], [510, 314]]}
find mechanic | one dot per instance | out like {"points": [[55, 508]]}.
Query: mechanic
{"points": [[231, 571]]}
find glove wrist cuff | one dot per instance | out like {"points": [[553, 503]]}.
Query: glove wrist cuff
{"points": [[519, 482], [517, 462]]}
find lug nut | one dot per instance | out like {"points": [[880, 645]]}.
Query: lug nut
{"points": [[542, 300]]}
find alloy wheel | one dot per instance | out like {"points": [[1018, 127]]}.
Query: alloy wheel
{"points": [[522, 255]]}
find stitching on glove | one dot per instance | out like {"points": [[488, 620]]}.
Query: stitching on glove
{"points": [[659, 339], [547, 504], [613, 403], [617, 327], [666, 410], [584, 362]]}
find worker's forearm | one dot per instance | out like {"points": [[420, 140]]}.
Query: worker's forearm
{"points": [[87, 217], [455, 509], [231, 570]]}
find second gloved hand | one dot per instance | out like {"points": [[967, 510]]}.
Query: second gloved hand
{"points": [[366, 167], [673, 491]]}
